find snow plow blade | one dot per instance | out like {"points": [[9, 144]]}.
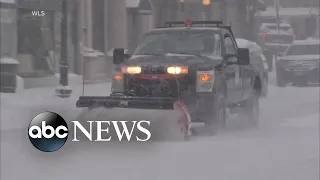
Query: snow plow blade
{"points": [[126, 102]]}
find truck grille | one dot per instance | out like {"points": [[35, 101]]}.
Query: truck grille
{"points": [[152, 88], [148, 69]]}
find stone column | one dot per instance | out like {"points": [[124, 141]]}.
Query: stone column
{"points": [[215, 11], [132, 30], [163, 10], [117, 23], [318, 26], [224, 11], [89, 22], [83, 24], [78, 36], [82, 38], [142, 26], [237, 16], [173, 6], [105, 25], [156, 6]]}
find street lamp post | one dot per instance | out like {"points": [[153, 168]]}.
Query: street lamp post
{"points": [[64, 91]]}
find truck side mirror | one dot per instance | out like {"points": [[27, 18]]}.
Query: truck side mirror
{"points": [[244, 56], [118, 56]]}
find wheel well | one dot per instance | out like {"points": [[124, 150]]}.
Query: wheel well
{"points": [[257, 85]]}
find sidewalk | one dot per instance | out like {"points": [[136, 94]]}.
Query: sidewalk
{"points": [[18, 109]]}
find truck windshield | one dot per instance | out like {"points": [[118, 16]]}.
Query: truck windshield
{"points": [[303, 50], [180, 42]]}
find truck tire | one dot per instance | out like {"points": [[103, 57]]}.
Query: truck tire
{"points": [[251, 109], [217, 118]]}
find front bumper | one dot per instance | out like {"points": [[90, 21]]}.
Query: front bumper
{"points": [[146, 92], [126, 102]]}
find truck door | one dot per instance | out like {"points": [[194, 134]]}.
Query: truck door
{"points": [[232, 72]]}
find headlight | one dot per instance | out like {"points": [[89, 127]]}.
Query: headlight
{"points": [[205, 80], [177, 70], [131, 69]]}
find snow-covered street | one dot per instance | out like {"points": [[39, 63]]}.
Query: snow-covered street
{"points": [[284, 147]]}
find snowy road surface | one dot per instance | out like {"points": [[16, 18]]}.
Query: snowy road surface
{"points": [[285, 147]]}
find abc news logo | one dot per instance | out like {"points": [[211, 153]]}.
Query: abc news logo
{"points": [[48, 131]]}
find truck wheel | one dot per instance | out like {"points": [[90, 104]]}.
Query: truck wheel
{"points": [[281, 82], [251, 108], [217, 117]]}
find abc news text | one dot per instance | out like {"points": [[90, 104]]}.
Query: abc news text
{"points": [[61, 132]]}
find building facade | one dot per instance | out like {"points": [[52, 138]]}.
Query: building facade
{"points": [[31, 34], [34, 39], [8, 29], [294, 3], [230, 11], [113, 24]]}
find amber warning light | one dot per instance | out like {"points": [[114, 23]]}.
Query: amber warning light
{"points": [[117, 77], [205, 77]]}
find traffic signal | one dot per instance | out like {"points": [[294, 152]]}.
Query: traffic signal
{"points": [[206, 2]]}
